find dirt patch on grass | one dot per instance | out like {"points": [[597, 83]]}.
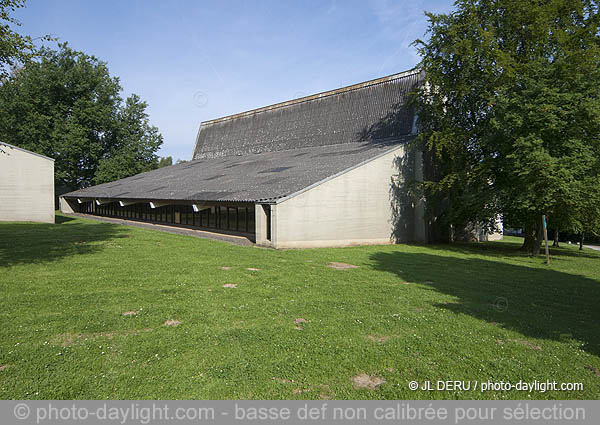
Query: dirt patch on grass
{"points": [[2, 367], [283, 380], [252, 269], [366, 381], [225, 268], [529, 344], [130, 313], [298, 391], [591, 368], [299, 322], [172, 322], [341, 266], [379, 338], [325, 393], [67, 339], [230, 285]]}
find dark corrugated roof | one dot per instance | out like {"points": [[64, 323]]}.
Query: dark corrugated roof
{"points": [[252, 177], [278, 150], [363, 112]]}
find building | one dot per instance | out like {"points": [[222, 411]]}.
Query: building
{"points": [[26, 185], [321, 170]]}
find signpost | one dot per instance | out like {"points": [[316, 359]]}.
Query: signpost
{"points": [[546, 239]]}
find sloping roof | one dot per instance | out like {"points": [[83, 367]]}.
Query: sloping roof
{"points": [[278, 150], [257, 177], [368, 111]]}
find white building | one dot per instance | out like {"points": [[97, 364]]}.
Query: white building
{"points": [[26, 185], [322, 170]]}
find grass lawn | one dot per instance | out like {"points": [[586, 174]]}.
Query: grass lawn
{"points": [[408, 312]]}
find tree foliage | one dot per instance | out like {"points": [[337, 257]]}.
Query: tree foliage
{"points": [[165, 161], [15, 48], [67, 106], [134, 143], [510, 113]]}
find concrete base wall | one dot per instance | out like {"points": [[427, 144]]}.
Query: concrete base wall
{"points": [[66, 206], [26, 186], [351, 209]]}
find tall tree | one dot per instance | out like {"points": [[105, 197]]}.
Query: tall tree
{"points": [[15, 49], [67, 106], [510, 112], [133, 146]]}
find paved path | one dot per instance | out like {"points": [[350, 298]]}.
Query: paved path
{"points": [[594, 247], [235, 239]]}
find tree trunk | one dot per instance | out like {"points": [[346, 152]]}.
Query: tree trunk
{"points": [[529, 240], [581, 241], [534, 233], [555, 238]]}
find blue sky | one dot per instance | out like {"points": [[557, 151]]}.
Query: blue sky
{"points": [[194, 61]]}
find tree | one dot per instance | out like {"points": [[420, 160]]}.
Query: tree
{"points": [[134, 144], [165, 161], [510, 112], [15, 48], [67, 106]]}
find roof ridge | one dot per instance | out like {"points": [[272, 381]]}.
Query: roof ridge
{"points": [[379, 142], [315, 96]]}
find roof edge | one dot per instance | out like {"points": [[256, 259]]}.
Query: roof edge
{"points": [[345, 89], [27, 151], [347, 170]]}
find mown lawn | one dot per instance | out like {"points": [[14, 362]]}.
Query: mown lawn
{"points": [[408, 312]]}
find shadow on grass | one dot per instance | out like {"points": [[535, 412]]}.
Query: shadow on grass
{"points": [[511, 249], [535, 302], [60, 219], [29, 243]]}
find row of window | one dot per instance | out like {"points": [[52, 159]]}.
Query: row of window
{"points": [[216, 217]]}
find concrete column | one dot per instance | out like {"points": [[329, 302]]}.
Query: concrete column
{"points": [[261, 225], [274, 232]]}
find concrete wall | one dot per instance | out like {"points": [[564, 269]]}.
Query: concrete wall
{"points": [[353, 208], [26, 186], [67, 206]]}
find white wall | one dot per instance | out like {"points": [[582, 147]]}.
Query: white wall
{"points": [[26, 186], [351, 209]]}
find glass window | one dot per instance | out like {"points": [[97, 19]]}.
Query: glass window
{"points": [[231, 218], [204, 217], [251, 226], [241, 220], [222, 218], [213, 217]]}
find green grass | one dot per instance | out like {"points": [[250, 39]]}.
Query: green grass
{"points": [[463, 312]]}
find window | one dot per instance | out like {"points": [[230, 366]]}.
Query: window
{"points": [[242, 224], [251, 221]]}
